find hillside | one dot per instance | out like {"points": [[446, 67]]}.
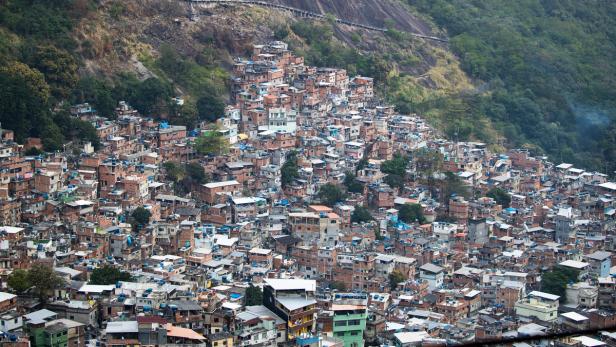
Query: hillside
{"points": [[535, 74], [374, 13], [548, 71], [147, 51]]}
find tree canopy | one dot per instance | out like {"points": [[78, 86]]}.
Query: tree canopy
{"points": [[411, 213], [24, 96], [140, 217], [555, 281], [212, 142], [330, 194], [253, 296], [108, 275], [44, 279], [500, 196], [185, 177], [59, 68], [210, 107], [361, 215], [352, 184], [42, 67], [396, 277], [547, 68], [395, 170], [289, 171], [18, 281]]}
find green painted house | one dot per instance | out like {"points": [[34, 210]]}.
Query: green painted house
{"points": [[349, 321]]}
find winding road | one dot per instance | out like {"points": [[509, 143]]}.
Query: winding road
{"points": [[306, 14]]}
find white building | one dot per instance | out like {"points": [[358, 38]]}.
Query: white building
{"points": [[433, 274], [281, 119], [540, 305]]}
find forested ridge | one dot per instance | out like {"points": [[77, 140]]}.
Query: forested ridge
{"points": [[40, 77], [545, 71], [38, 70]]}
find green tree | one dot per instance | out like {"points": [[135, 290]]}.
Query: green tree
{"points": [[453, 185], [330, 194], [18, 281], [500, 196], [254, 296], [44, 280], [394, 181], [555, 281], [361, 164], [140, 217], [352, 184], [411, 213], [210, 107], [395, 166], [196, 173], [396, 277], [281, 32], [514, 47], [185, 114], [24, 97], [75, 129], [33, 151], [377, 233], [109, 275], [289, 171], [99, 93], [212, 142], [152, 97], [428, 162], [361, 215], [171, 61], [50, 133], [59, 68], [395, 170], [174, 171]]}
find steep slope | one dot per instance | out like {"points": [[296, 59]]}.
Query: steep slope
{"points": [[376, 13], [147, 51], [549, 69]]}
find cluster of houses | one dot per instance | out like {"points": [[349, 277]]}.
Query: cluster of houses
{"points": [[255, 256]]}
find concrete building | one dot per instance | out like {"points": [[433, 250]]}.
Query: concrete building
{"points": [[600, 263], [539, 305], [433, 274], [350, 314], [293, 300]]}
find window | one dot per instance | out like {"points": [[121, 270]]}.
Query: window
{"points": [[354, 322], [341, 323], [353, 333]]}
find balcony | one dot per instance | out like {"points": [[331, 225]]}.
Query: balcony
{"points": [[300, 325], [295, 315]]}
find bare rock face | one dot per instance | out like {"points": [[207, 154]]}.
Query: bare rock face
{"points": [[370, 12]]}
